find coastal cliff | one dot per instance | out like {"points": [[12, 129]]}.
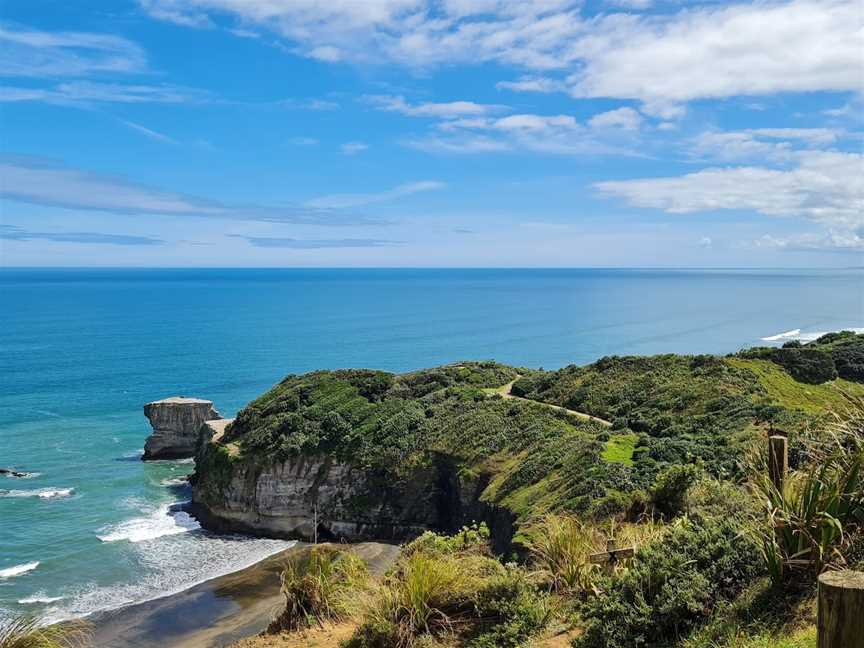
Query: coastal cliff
{"points": [[359, 454], [177, 424]]}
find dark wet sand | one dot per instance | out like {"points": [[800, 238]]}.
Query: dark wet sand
{"points": [[214, 613]]}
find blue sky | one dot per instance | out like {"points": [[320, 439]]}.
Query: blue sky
{"points": [[431, 133]]}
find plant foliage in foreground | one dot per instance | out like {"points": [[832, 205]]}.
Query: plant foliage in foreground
{"points": [[319, 586], [25, 632], [816, 520]]}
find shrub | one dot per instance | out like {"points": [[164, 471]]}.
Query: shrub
{"points": [[510, 610], [807, 365], [673, 583], [669, 492], [319, 587], [469, 538]]}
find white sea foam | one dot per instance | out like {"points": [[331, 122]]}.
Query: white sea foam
{"points": [[796, 334], [39, 599], [168, 565], [17, 570], [783, 336], [42, 493], [164, 521], [175, 481]]}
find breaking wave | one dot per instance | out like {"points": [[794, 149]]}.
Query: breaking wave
{"points": [[168, 519], [17, 570], [42, 493]]}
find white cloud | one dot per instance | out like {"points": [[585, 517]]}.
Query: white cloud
{"points": [[774, 144], [663, 60], [533, 84], [352, 148], [25, 180], [147, 132], [706, 242], [30, 53], [84, 93], [825, 187], [303, 141], [555, 134], [636, 5], [832, 241], [446, 110], [625, 118], [309, 104], [745, 49], [340, 201]]}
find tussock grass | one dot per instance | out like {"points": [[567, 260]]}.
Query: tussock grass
{"points": [[321, 586], [25, 632]]}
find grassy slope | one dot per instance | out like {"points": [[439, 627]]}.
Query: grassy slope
{"points": [[784, 390]]}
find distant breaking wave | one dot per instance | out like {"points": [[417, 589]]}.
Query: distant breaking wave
{"points": [[796, 334], [17, 570], [164, 521], [37, 599], [42, 493]]}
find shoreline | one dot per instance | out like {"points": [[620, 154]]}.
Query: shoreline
{"points": [[216, 612]]}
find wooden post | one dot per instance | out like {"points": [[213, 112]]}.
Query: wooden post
{"points": [[778, 460], [315, 524], [841, 610]]}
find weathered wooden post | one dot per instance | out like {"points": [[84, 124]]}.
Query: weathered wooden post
{"points": [[778, 460], [841, 610]]}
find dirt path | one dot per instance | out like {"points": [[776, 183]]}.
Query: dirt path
{"points": [[505, 391]]}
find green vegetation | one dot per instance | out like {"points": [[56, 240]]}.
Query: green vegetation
{"points": [[674, 478], [26, 632], [320, 586], [781, 388], [816, 520], [832, 355], [451, 588], [620, 447]]}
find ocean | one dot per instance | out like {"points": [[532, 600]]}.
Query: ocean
{"points": [[81, 351]]}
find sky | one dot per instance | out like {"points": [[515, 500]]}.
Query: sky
{"points": [[432, 133]]}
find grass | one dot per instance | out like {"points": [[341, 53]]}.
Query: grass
{"points": [[784, 390], [619, 449], [320, 586], [25, 632]]}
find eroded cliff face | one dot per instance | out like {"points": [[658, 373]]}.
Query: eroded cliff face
{"points": [[177, 425], [288, 498]]}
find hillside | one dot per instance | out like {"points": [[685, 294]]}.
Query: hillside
{"points": [[361, 454]]}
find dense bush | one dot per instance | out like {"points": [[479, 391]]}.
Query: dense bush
{"points": [[807, 365], [674, 583], [670, 488]]}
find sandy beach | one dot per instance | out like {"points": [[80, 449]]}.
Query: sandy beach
{"points": [[215, 613]]}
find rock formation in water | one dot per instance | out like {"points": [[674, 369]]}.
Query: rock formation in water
{"points": [[14, 473], [177, 426]]}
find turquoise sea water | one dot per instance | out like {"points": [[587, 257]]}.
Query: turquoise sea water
{"points": [[82, 350]]}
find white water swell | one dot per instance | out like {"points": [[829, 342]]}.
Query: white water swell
{"points": [[166, 520], [42, 493], [17, 570]]}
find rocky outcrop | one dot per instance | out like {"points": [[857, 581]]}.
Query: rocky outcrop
{"points": [[295, 497], [177, 426], [14, 473]]}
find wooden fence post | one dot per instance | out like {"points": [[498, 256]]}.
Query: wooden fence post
{"points": [[778, 460], [841, 610]]}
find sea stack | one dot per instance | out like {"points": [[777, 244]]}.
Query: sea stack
{"points": [[177, 424]]}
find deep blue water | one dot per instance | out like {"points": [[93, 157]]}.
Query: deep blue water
{"points": [[82, 350]]}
